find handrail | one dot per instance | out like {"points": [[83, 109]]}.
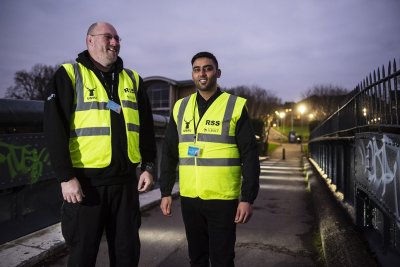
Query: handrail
{"points": [[373, 104]]}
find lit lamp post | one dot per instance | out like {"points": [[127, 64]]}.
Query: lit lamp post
{"points": [[277, 121], [291, 117], [364, 111], [302, 109], [282, 116]]}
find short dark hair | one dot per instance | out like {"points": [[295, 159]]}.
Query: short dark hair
{"points": [[207, 55]]}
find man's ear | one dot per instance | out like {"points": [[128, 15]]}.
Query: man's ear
{"points": [[219, 73], [89, 40]]}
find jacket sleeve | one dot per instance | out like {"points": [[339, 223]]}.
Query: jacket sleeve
{"points": [[248, 150], [56, 121], [147, 142], [169, 159]]}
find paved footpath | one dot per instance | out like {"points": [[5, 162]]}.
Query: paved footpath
{"points": [[282, 232], [283, 228]]}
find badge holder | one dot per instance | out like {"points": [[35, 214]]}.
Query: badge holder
{"points": [[194, 151], [113, 106]]}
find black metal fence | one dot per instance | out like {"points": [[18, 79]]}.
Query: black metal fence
{"points": [[357, 150], [30, 196], [373, 105]]}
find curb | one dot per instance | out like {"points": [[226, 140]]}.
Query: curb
{"points": [[342, 245]]}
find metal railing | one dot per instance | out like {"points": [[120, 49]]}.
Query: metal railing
{"points": [[357, 150], [30, 196], [373, 105]]}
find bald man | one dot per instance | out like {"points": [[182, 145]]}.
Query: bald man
{"points": [[99, 128]]}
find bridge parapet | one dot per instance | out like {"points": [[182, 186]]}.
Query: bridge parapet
{"points": [[357, 149], [30, 197]]}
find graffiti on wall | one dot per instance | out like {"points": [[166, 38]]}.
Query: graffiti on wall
{"points": [[380, 160], [23, 160]]}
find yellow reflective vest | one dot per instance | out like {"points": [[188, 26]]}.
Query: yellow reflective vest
{"points": [[209, 160], [90, 127]]}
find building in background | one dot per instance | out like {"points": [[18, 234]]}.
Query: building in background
{"points": [[164, 92]]}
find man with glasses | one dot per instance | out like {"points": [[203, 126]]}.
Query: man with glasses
{"points": [[99, 128]]}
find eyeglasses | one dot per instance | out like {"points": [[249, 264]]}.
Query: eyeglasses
{"points": [[109, 36]]}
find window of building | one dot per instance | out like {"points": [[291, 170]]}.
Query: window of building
{"points": [[159, 97]]}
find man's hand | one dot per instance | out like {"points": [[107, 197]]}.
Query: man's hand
{"points": [[243, 212], [165, 206], [72, 191], [145, 182]]}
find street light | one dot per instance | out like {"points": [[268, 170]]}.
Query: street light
{"points": [[302, 109], [291, 117], [282, 116]]}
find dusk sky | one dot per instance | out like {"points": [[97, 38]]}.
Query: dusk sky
{"points": [[284, 46]]}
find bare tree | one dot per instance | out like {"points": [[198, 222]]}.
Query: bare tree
{"points": [[325, 90], [260, 102], [324, 99], [31, 85]]}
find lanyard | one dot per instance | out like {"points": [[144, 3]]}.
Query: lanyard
{"points": [[112, 84], [194, 120]]}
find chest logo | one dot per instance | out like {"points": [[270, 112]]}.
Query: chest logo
{"points": [[213, 123], [91, 93], [187, 124], [129, 90]]}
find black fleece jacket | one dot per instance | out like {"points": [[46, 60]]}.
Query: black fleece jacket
{"points": [[58, 110]]}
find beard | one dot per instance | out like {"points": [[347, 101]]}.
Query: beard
{"points": [[210, 85], [110, 58]]}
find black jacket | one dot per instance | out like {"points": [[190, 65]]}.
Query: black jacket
{"points": [[57, 115], [246, 143]]}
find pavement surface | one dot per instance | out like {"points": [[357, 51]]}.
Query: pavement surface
{"points": [[296, 222]]}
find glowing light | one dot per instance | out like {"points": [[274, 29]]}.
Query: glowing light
{"points": [[302, 109], [364, 110]]}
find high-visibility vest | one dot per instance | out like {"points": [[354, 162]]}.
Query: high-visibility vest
{"points": [[215, 173], [90, 127]]}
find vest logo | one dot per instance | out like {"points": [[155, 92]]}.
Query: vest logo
{"points": [[212, 126], [187, 125], [211, 130], [91, 96], [129, 90], [213, 123], [130, 94]]}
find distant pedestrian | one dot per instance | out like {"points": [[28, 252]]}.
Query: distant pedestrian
{"points": [[211, 136]]}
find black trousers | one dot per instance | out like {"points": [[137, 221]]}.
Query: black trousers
{"points": [[113, 208], [210, 231]]}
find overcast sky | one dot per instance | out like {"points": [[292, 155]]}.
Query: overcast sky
{"points": [[284, 46]]}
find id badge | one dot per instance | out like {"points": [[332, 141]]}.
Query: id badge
{"points": [[194, 151], [113, 106]]}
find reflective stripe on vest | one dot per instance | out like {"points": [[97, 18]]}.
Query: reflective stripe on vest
{"points": [[90, 134], [209, 162], [216, 172]]}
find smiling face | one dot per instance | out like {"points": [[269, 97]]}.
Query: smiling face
{"points": [[205, 75], [103, 45]]}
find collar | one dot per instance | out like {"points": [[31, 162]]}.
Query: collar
{"points": [[201, 100]]}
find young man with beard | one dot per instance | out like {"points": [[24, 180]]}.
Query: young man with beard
{"points": [[99, 127], [211, 137]]}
